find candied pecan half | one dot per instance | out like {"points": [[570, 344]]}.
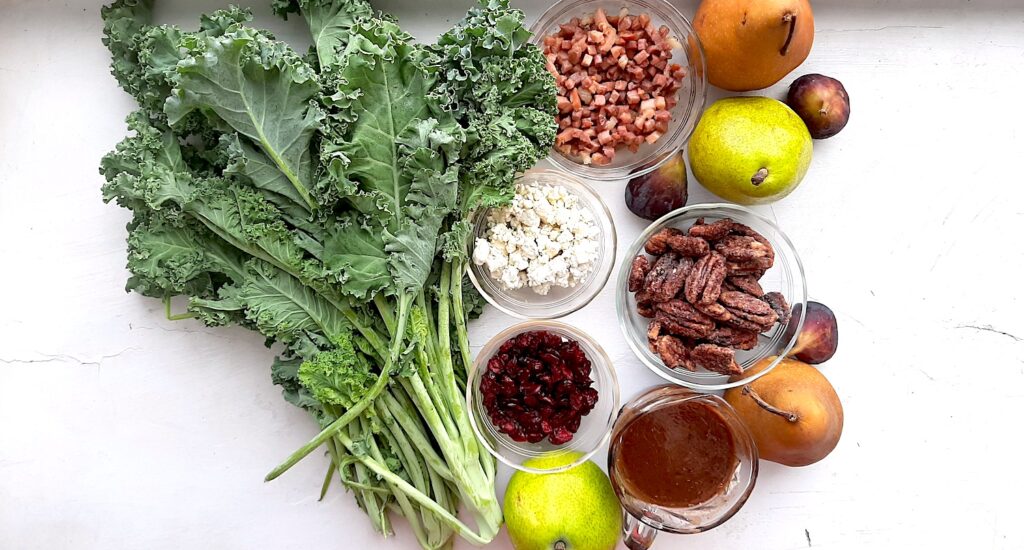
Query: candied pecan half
{"points": [[732, 337], [638, 271], [740, 248], [748, 312], [688, 246], [682, 319], [755, 268], [658, 243], [705, 280], [674, 353], [745, 283], [659, 273], [716, 359], [779, 305], [712, 231], [674, 281], [716, 311], [653, 330]]}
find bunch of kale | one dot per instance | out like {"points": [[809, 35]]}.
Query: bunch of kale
{"points": [[323, 200]]}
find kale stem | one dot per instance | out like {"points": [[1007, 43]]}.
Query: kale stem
{"points": [[418, 496], [352, 413], [176, 316], [387, 312]]}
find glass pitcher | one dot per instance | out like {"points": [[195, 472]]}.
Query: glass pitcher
{"points": [[643, 520]]}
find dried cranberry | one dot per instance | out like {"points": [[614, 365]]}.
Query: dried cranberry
{"points": [[560, 436], [538, 386]]}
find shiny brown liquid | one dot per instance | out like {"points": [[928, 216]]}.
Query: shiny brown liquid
{"points": [[676, 456]]}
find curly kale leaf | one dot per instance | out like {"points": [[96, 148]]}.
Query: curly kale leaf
{"points": [[244, 81], [496, 84], [394, 161], [340, 376]]}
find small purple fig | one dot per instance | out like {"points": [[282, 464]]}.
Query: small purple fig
{"points": [[821, 102], [819, 338], [658, 192]]}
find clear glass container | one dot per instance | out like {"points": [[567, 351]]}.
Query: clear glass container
{"points": [[642, 520], [525, 303], [692, 94], [594, 427], [785, 276]]}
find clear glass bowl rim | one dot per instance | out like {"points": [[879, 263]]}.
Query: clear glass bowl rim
{"points": [[662, 395], [598, 278], [711, 210], [602, 361], [675, 140]]}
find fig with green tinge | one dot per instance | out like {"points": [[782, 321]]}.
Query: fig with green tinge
{"points": [[819, 338], [659, 192], [822, 103]]}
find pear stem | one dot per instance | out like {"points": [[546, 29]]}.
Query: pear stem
{"points": [[759, 177], [560, 545], [790, 416], [791, 19]]}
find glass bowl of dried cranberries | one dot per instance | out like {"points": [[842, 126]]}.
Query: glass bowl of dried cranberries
{"points": [[541, 389], [707, 292]]}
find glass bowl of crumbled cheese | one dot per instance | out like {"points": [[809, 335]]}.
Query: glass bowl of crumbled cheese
{"points": [[547, 253]]}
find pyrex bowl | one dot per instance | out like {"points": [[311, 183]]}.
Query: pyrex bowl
{"points": [[524, 303], [692, 94], [594, 427], [785, 276]]}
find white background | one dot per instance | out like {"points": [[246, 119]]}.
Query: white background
{"points": [[120, 429]]}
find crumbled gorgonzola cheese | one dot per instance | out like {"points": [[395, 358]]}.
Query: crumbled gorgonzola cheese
{"points": [[544, 238]]}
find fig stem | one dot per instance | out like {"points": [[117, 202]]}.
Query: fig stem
{"points": [[790, 416], [759, 177], [791, 19]]}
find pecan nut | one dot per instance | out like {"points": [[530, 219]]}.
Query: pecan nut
{"points": [[779, 305], [711, 231], [638, 271], [686, 245], [732, 337], [716, 359], [704, 283], [655, 278], [754, 269], [748, 312], [745, 283], [674, 353], [716, 311], [682, 319], [658, 243], [674, 281], [743, 249]]}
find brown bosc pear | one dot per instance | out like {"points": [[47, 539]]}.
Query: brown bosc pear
{"points": [[793, 412], [752, 44]]}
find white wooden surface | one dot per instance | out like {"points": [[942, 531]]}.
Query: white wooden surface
{"points": [[119, 429]]}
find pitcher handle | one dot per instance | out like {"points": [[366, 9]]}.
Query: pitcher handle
{"points": [[636, 534]]}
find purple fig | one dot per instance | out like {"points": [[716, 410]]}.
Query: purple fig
{"points": [[819, 338], [821, 102], [660, 191]]}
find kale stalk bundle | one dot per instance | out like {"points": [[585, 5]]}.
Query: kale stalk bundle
{"points": [[324, 201]]}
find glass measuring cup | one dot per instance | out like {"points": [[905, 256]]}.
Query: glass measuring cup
{"points": [[642, 518]]}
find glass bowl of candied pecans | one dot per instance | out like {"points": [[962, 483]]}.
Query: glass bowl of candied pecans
{"points": [[631, 84], [708, 291], [539, 392]]}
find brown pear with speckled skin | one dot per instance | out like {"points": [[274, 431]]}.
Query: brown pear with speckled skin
{"points": [[752, 44], [793, 412]]}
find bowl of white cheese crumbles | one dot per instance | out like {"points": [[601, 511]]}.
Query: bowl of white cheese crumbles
{"points": [[547, 253]]}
